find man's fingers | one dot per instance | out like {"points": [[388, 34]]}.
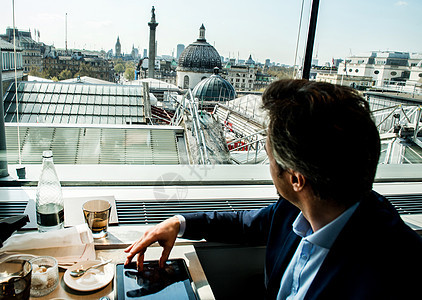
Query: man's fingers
{"points": [[140, 262], [165, 233], [138, 247], [164, 256], [130, 247]]}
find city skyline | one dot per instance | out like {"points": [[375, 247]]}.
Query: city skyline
{"points": [[266, 29]]}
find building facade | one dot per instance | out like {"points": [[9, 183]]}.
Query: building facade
{"points": [[242, 77], [358, 82], [393, 70], [383, 66], [31, 50], [246, 76], [91, 65], [8, 64]]}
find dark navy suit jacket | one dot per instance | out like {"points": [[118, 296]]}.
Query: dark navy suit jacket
{"points": [[375, 256]]}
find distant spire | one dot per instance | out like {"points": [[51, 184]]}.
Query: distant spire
{"points": [[202, 34]]}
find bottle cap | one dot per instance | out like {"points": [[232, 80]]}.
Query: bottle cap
{"points": [[47, 154]]}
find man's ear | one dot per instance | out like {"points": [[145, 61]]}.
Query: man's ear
{"points": [[297, 180]]}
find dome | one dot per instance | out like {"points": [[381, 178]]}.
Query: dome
{"points": [[214, 88], [199, 56]]}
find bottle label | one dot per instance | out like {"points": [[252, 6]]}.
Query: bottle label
{"points": [[50, 219]]}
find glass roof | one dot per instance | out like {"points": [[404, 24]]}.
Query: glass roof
{"points": [[52, 102], [413, 154], [249, 106], [214, 88], [95, 145]]}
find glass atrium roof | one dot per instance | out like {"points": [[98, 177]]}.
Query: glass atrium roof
{"points": [[214, 88], [73, 103], [131, 145], [249, 106]]}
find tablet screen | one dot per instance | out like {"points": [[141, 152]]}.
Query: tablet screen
{"points": [[171, 282]]}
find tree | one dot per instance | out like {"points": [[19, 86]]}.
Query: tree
{"points": [[130, 73], [45, 73], [35, 72], [85, 70], [119, 68], [281, 72], [65, 74]]}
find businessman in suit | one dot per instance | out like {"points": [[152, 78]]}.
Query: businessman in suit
{"points": [[329, 236]]}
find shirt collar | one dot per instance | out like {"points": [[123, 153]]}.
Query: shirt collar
{"points": [[325, 236]]}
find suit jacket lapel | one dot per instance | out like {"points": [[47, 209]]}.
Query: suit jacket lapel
{"points": [[341, 253]]}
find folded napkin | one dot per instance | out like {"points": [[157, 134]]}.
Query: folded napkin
{"points": [[68, 246]]}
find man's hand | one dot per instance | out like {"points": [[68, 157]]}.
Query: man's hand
{"points": [[164, 233]]}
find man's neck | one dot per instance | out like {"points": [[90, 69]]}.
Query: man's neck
{"points": [[320, 212]]}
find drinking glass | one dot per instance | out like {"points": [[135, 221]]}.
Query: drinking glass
{"points": [[97, 215], [15, 278]]}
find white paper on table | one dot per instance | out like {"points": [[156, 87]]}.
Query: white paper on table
{"points": [[68, 245]]}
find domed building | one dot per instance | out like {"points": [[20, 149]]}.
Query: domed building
{"points": [[214, 88], [197, 62]]}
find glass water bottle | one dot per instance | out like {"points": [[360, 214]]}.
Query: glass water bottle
{"points": [[49, 202]]}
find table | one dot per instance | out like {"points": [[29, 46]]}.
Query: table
{"points": [[112, 248]]}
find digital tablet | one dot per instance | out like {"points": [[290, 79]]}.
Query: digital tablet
{"points": [[171, 282]]}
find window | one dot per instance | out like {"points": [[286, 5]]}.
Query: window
{"points": [[186, 82], [234, 40]]}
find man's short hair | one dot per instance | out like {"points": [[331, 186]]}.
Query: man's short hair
{"points": [[326, 133]]}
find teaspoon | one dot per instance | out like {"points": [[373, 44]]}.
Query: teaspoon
{"points": [[80, 272]]}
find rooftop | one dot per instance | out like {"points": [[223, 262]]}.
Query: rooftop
{"points": [[7, 46], [74, 103], [97, 144]]}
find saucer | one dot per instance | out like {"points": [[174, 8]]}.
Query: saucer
{"points": [[93, 279]]}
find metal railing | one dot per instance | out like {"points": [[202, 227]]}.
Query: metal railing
{"points": [[399, 126], [190, 106], [392, 115], [252, 146]]}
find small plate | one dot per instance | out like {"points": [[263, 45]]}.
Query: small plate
{"points": [[92, 280]]}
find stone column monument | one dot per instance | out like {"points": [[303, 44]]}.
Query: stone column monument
{"points": [[151, 57]]}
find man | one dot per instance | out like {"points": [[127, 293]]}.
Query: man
{"points": [[329, 236]]}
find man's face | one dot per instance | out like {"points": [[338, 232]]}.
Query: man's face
{"points": [[280, 179]]}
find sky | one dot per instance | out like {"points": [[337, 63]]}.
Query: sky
{"points": [[265, 29]]}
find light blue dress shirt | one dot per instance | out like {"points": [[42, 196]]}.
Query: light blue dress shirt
{"points": [[310, 254]]}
